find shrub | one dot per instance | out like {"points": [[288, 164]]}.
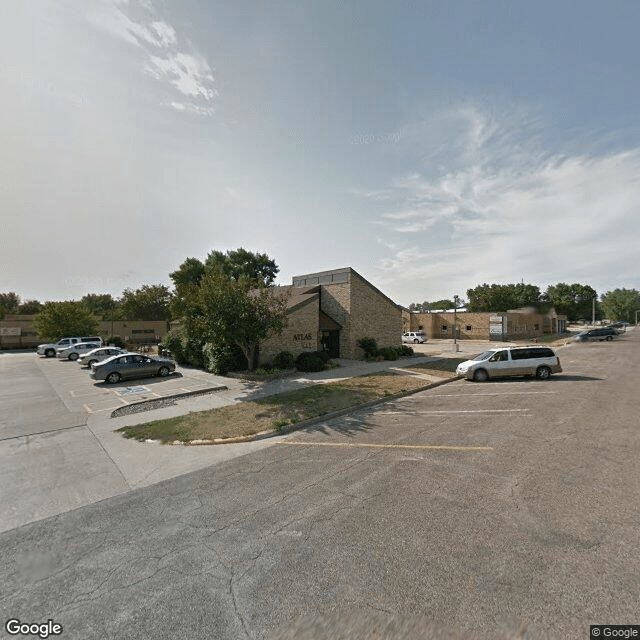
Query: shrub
{"points": [[369, 346], [324, 355], [116, 341], [173, 342], [284, 360], [308, 362], [220, 359], [388, 353], [404, 350]]}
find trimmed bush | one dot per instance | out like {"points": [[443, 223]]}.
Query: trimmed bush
{"points": [[369, 346], [220, 359], [324, 355], [116, 341], [309, 362], [284, 360], [404, 350], [388, 353]]}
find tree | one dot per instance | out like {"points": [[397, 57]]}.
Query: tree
{"points": [[9, 303], [573, 300], [101, 304], [149, 302], [233, 311], [58, 319], [30, 307], [186, 280], [439, 305], [621, 304], [502, 297], [258, 268]]}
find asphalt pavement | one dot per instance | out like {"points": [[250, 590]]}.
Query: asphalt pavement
{"points": [[497, 510]]}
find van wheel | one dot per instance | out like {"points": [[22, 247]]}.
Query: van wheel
{"points": [[480, 376], [415, 341], [49, 353], [609, 338], [543, 373]]}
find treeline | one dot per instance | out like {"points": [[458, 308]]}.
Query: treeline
{"points": [[573, 300]]}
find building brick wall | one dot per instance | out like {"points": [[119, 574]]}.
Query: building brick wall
{"points": [[519, 325], [300, 333], [373, 315], [335, 301]]}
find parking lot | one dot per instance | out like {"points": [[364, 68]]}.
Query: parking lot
{"points": [[505, 509], [80, 393]]}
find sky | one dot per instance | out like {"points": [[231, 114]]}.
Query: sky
{"points": [[431, 146]]}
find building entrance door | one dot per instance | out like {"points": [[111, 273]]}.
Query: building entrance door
{"points": [[331, 343]]}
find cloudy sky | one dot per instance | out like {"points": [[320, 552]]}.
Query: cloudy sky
{"points": [[432, 146]]}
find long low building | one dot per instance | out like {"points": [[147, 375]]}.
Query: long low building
{"points": [[516, 324], [17, 332], [332, 310]]}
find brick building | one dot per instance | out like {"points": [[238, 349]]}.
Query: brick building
{"points": [[16, 331], [508, 325], [332, 310]]}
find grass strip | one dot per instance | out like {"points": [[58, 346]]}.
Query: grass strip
{"points": [[274, 412]]}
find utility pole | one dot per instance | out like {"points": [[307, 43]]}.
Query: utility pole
{"points": [[593, 310]]}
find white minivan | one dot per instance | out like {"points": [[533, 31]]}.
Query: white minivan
{"points": [[511, 361]]}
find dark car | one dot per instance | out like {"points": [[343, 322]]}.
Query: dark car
{"points": [[131, 365], [605, 333]]}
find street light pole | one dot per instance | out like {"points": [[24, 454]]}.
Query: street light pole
{"points": [[455, 323]]}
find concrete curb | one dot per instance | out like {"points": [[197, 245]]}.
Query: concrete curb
{"points": [[126, 409], [263, 435]]}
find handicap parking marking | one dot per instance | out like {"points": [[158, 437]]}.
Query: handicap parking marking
{"points": [[125, 391]]}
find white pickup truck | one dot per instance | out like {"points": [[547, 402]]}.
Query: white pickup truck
{"points": [[49, 350]]}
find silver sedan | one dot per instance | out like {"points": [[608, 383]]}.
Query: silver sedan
{"points": [[131, 365]]}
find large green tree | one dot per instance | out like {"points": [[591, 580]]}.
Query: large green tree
{"points": [[502, 297], [30, 307], [59, 319], [9, 303], [234, 311], [621, 304], [186, 280], [256, 268], [573, 300], [101, 304], [149, 302]]}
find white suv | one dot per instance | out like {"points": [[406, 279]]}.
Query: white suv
{"points": [[414, 336], [49, 350]]}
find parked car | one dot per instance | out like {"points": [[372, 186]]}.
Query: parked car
{"points": [[49, 349], [74, 351], [414, 336], [131, 365], [604, 333], [511, 361], [99, 354]]}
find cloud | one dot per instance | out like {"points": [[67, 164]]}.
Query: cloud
{"points": [[187, 72], [507, 209]]}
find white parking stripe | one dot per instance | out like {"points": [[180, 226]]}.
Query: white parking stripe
{"points": [[510, 393], [421, 413]]}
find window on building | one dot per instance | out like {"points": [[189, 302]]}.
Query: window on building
{"points": [[468, 327], [535, 326], [444, 327]]}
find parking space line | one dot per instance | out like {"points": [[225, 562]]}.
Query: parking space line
{"points": [[510, 393], [456, 411], [386, 446]]}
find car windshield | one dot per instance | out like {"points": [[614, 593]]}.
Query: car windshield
{"points": [[485, 355]]}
